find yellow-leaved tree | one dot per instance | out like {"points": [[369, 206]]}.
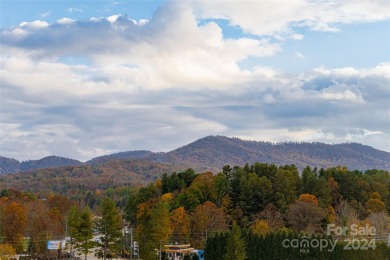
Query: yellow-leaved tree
{"points": [[260, 227], [13, 222], [180, 225], [375, 203], [6, 251]]}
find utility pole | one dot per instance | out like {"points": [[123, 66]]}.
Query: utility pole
{"points": [[388, 241], [105, 241], [160, 249], [131, 243], [125, 251], [124, 239], [128, 230], [70, 238]]}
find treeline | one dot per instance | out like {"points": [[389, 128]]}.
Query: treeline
{"points": [[23, 215], [78, 180], [281, 245], [188, 207], [27, 223]]}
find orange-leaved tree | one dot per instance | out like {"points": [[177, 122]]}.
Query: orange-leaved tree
{"points": [[206, 219], [180, 225], [305, 215], [308, 198], [14, 221]]}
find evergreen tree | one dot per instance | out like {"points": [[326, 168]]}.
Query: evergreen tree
{"points": [[153, 227], [286, 186], [235, 245], [85, 232], [73, 223], [130, 209], [209, 249], [160, 223], [317, 186], [109, 226]]}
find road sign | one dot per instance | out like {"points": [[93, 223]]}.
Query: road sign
{"points": [[135, 248], [55, 244]]}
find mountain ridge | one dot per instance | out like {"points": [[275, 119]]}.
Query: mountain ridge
{"points": [[9, 165], [213, 152], [238, 152]]}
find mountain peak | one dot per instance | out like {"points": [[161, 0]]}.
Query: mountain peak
{"points": [[217, 151], [12, 165], [214, 151]]}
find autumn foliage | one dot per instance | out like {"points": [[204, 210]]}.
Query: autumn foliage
{"points": [[188, 207]]}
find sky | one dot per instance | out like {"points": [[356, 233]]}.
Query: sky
{"points": [[81, 79]]}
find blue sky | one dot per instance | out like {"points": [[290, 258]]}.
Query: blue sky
{"points": [[86, 78], [14, 12]]}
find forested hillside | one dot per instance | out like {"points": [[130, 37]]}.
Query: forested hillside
{"points": [[121, 155], [12, 165], [70, 180], [213, 152], [217, 151], [269, 203], [9, 165]]}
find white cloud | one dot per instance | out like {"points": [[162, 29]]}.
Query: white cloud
{"points": [[299, 55], [45, 14], [65, 20], [37, 24], [88, 110], [16, 32], [74, 10], [113, 18], [162, 83], [297, 36], [142, 22], [281, 17], [334, 93], [168, 51]]}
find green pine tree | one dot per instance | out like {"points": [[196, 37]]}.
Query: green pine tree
{"points": [[73, 223], [235, 245], [85, 232], [109, 226]]}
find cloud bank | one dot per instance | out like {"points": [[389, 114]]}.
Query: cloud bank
{"points": [[86, 88]]}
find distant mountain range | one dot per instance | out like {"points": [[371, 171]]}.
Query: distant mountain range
{"points": [[213, 152], [11, 165]]}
